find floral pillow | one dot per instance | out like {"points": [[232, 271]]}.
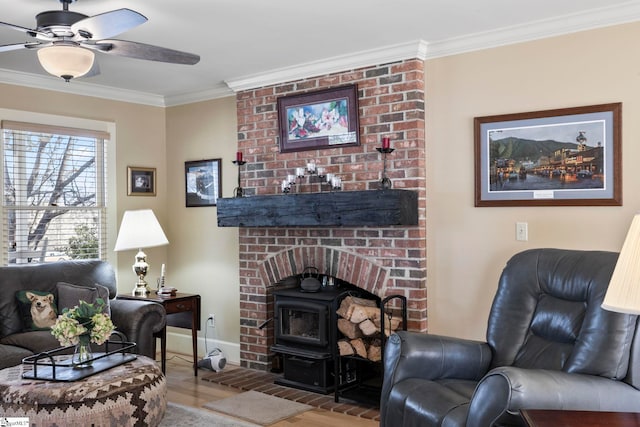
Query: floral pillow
{"points": [[38, 309]]}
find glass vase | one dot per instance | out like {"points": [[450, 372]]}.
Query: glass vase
{"points": [[82, 356]]}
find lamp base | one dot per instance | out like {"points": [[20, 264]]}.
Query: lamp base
{"points": [[141, 290], [140, 268]]}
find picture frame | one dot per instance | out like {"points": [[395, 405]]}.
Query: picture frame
{"points": [[317, 120], [203, 182], [141, 181], [561, 157]]}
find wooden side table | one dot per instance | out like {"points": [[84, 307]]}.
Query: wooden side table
{"points": [[183, 311], [556, 418]]}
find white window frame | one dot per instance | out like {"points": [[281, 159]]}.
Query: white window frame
{"points": [[104, 129]]}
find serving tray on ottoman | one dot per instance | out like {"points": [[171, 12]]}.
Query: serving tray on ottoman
{"points": [[53, 366]]}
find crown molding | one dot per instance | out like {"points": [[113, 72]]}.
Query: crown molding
{"points": [[220, 91], [382, 55], [557, 26], [79, 87], [37, 81], [566, 24]]}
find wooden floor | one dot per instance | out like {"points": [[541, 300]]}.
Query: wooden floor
{"points": [[186, 389]]}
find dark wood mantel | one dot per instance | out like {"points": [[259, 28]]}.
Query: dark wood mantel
{"points": [[336, 208]]}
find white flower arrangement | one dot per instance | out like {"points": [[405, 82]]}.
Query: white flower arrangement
{"points": [[82, 320]]}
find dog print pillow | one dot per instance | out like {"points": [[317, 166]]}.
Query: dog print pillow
{"points": [[38, 309]]}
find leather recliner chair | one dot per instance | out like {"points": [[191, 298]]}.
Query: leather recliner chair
{"points": [[549, 346]]}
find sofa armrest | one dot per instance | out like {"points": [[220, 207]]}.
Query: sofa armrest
{"points": [[506, 390], [431, 357], [139, 321]]}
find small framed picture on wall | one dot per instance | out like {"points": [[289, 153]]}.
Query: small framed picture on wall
{"points": [[141, 181], [203, 182]]}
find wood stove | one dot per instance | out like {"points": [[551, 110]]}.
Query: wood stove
{"points": [[306, 335]]}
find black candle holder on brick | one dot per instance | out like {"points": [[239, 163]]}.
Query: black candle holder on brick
{"points": [[385, 182], [238, 191]]}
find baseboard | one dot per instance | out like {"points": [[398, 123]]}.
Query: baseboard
{"points": [[181, 343]]}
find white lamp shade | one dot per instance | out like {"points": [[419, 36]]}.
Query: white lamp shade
{"points": [[139, 229], [623, 293], [66, 61]]}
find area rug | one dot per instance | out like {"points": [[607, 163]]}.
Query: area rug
{"points": [[259, 408], [185, 416]]}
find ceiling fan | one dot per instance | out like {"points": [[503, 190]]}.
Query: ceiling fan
{"points": [[65, 40]]}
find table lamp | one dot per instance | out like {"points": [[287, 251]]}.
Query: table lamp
{"points": [[140, 229], [623, 293]]}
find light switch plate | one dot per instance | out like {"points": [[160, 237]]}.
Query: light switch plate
{"points": [[522, 231]]}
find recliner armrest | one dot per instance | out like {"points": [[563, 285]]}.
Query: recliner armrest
{"points": [[506, 390], [139, 321], [431, 357]]}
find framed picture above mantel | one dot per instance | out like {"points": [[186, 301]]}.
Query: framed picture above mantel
{"points": [[563, 157], [321, 119]]}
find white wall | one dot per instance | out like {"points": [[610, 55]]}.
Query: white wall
{"points": [[203, 257], [467, 247]]}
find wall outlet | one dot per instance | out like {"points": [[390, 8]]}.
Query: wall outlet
{"points": [[212, 320]]}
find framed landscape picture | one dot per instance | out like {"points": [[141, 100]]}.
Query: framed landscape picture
{"points": [[564, 157], [203, 182], [141, 181], [322, 119]]}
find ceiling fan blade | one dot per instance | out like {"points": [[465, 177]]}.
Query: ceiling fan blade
{"points": [[29, 31], [108, 24], [94, 71], [18, 46], [145, 51]]}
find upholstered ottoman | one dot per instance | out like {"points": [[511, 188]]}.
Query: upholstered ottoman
{"points": [[132, 394]]}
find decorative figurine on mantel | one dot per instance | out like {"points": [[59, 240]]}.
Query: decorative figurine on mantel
{"points": [[317, 175]]}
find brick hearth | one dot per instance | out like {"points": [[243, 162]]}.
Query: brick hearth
{"points": [[251, 379], [382, 260]]}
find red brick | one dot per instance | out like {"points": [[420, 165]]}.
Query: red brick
{"points": [[367, 257]]}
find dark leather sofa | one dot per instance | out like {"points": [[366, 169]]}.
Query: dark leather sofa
{"points": [[138, 320], [549, 345]]}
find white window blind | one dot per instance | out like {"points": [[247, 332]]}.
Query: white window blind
{"points": [[54, 205]]}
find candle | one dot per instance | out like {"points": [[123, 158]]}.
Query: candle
{"points": [[239, 156], [162, 271], [336, 182], [311, 167], [385, 143]]}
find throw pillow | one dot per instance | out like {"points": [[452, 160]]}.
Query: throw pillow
{"points": [[70, 295], [37, 308]]}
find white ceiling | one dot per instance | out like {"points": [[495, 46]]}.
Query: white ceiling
{"points": [[249, 43]]}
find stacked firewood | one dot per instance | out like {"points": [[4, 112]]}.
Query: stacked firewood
{"points": [[360, 323]]}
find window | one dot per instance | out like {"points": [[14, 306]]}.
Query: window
{"points": [[54, 205]]}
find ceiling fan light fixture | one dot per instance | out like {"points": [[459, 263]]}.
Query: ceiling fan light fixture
{"points": [[66, 61]]}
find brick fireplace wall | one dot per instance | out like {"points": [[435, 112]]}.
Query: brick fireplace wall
{"points": [[384, 261]]}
